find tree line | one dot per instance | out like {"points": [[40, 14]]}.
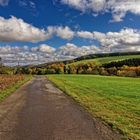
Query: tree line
{"points": [[129, 67], [128, 62]]}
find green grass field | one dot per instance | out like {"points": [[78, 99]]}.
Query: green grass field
{"points": [[115, 100], [103, 60]]}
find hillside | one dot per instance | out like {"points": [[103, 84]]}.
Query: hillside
{"points": [[103, 60], [95, 58], [102, 64]]}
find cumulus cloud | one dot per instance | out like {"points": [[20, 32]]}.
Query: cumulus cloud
{"points": [[60, 31], [85, 34], [43, 53], [13, 29], [98, 35], [9, 49], [43, 48], [14, 55], [73, 51], [65, 32], [68, 50], [124, 40], [118, 8], [4, 2], [78, 4]]}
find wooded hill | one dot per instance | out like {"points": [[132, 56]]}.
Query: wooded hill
{"points": [[119, 64]]}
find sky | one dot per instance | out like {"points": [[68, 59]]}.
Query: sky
{"points": [[40, 31]]}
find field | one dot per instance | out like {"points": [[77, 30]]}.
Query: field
{"points": [[103, 60], [9, 83], [115, 100]]}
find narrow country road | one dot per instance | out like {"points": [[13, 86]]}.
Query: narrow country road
{"points": [[40, 111]]}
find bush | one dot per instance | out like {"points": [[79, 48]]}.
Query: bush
{"points": [[126, 73], [103, 71]]}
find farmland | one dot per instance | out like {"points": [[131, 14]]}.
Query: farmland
{"points": [[114, 100], [9, 83]]}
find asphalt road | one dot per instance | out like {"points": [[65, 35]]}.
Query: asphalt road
{"points": [[40, 111]]}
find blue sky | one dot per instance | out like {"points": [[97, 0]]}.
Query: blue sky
{"points": [[103, 20]]}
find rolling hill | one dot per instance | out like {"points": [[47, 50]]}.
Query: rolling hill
{"points": [[94, 58], [103, 60]]}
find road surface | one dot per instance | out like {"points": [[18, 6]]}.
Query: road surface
{"points": [[40, 111]]}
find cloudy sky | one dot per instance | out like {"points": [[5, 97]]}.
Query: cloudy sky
{"points": [[40, 31]]}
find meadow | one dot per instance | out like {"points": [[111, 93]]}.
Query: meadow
{"points": [[114, 100], [103, 60], [9, 84]]}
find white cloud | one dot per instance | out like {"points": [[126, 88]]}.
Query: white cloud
{"points": [[44, 48], [125, 40], [43, 53], [90, 50], [118, 8], [60, 31], [98, 35], [64, 32], [97, 5], [9, 49], [25, 55], [78, 4], [68, 50], [13, 29], [73, 51], [85, 34], [4, 2]]}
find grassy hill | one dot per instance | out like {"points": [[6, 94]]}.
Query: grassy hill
{"points": [[103, 60]]}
